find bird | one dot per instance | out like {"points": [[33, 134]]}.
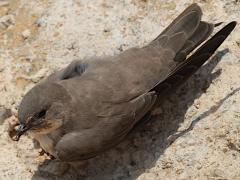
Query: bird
{"points": [[91, 105]]}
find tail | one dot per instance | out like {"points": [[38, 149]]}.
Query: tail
{"points": [[188, 67], [185, 33]]}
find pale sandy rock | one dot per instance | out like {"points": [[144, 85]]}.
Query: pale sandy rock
{"points": [[166, 148], [26, 34], [4, 114], [4, 3]]}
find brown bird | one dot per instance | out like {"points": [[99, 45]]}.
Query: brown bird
{"points": [[91, 105]]}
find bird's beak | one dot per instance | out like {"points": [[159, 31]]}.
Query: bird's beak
{"points": [[22, 128]]}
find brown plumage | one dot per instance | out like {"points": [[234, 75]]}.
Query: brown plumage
{"points": [[91, 105]]}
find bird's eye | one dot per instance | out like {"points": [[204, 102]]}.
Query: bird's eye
{"points": [[42, 113]]}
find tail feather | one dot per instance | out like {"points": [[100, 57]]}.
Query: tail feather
{"points": [[186, 23], [194, 62], [201, 34], [192, 8]]}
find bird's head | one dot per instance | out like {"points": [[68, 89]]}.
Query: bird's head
{"points": [[42, 109]]}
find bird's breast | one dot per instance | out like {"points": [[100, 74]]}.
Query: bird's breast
{"points": [[45, 142]]}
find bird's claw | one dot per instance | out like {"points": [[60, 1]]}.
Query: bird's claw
{"points": [[13, 124]]}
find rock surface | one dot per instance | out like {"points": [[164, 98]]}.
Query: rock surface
{"points": [[4, 114], [195, 136]]}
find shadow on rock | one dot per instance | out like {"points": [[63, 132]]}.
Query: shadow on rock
{"points": [[142, 149]]}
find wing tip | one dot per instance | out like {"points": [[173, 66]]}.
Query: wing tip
{"points": [[233, 24], [226, 30], [195, 6]]}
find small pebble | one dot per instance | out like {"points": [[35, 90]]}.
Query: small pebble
{"points": [[218, 173], [199, 166], [4, 3], [26, 34], [40, 22]]}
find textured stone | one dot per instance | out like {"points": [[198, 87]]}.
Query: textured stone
{"points": [[26, 34], [4, 114], [7, 21]]}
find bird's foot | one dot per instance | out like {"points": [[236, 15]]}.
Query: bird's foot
{"points": [[42, 152], [12, 126]]}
